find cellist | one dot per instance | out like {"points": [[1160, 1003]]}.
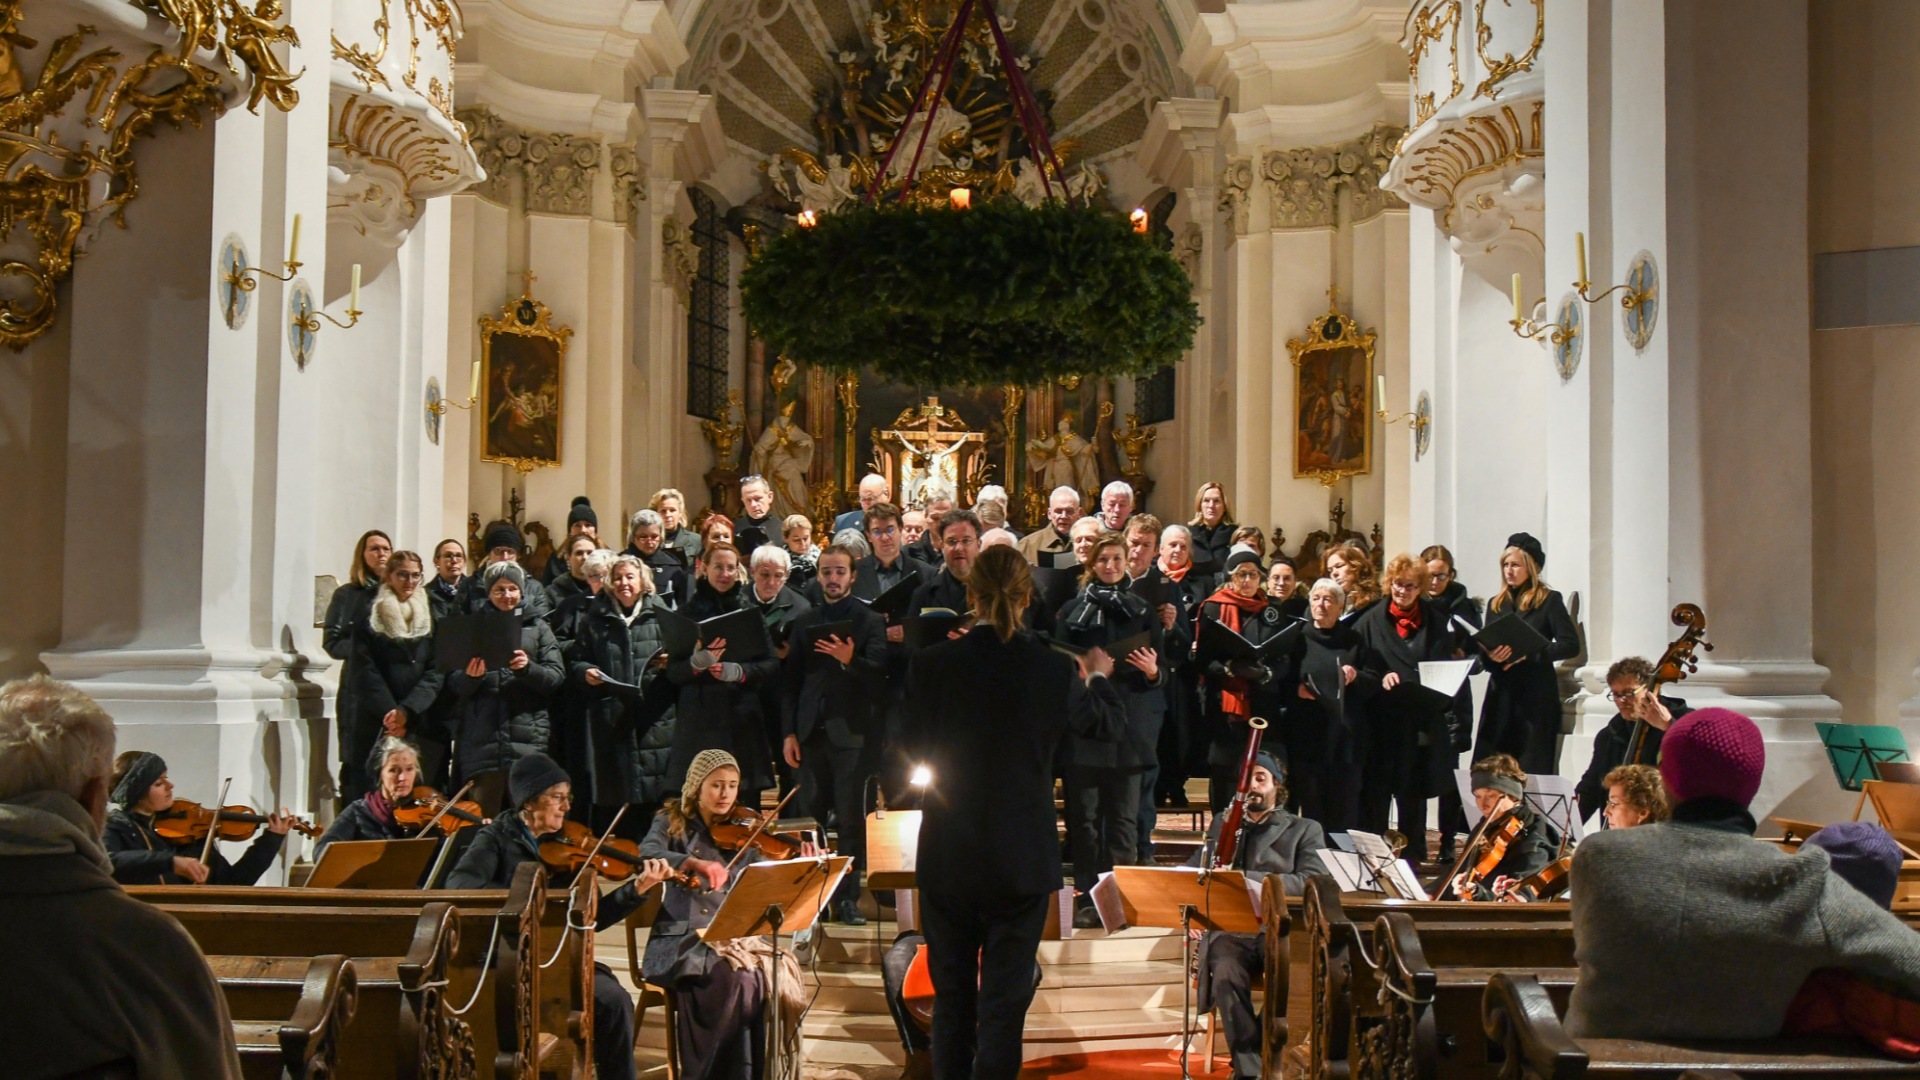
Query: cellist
{"points": [[1627, 683], [1512, 842], [1272, 841]]}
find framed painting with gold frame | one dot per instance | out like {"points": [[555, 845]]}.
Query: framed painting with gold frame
{"points": [[523, 360], [1333, 399]]}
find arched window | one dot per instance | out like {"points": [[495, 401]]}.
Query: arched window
{"points": [[707, 313], [1153, 396]]}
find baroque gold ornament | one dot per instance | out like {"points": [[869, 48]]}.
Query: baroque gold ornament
{"points": [[54, 191]]}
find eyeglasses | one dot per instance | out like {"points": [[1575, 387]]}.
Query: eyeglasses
{"points": [[1615, 695], [888, 531], [558, 798]]}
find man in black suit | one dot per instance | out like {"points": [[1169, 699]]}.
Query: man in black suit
{"points": [[832, 684], [991, 709], [874, 575], [957, 536]]}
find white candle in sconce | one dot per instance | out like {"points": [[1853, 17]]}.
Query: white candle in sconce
{"points": [[1380, 392], [1580, 254], [1517, 316], [473, 382], [293, 243], [353, 295]]}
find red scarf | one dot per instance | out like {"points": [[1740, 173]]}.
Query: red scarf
{"points": [[1406, 622], [1177, 575], [379, 807], [1235, 693]]}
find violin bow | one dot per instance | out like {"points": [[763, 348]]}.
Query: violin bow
{"points": [[602, 838], [213, 828], [446, 808], [759, 827]]}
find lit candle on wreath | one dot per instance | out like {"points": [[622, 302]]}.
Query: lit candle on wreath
{"points": [[961, 198], [1139, 219], [808, 219]]}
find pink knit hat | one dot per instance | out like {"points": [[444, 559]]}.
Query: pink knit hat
{"points": [[1713, 753]]}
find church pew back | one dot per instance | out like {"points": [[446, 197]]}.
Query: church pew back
{"points": [[288, 1014]]}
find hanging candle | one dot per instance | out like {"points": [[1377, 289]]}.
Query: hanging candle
{"points": [[808, 219], [1139, 219], [961, 198]]}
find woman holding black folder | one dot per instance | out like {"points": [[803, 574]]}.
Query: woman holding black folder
{"points": [[615, 676], [720, 704], [1335, 675], [499, 716], [1410, 757], [1237, 689], [1104, 776], [1521, 715]]}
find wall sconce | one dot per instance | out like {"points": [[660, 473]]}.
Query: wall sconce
{"points": [[1555, 333], [1420, 419], [1640, 306], [438, 406], [237, 277], [307, 317]]}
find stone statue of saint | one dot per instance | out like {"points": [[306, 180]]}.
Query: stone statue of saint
{"points": [[783, 455], [1064, 459]]}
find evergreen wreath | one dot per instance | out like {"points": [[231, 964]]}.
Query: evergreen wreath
{"points": [[1002, 294]]}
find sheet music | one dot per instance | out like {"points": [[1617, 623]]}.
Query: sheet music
{"points": [[1445, 676], [1347, 870], [1377, 860], [1105, 895]]}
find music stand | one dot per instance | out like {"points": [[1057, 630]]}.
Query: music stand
{"points": [[776, 898], [1177, 896], [373, 864], [1854, 751], [1549, 794], [893, 847]]}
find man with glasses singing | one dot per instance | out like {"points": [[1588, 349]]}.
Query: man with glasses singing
{"points": [[1627, 682]]}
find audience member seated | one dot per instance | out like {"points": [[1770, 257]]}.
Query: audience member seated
{"points": [[1691, 929], [97, 984]]}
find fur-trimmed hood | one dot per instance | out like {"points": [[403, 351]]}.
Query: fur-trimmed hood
{"points": [[402, 622]]}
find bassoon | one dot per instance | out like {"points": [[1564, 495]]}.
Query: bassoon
{"points": [[1236, 817]]}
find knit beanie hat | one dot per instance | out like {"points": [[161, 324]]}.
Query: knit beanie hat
{"points": [[1526, 542], [582, 511], [1713, 753], [511, 571], [141, 775], [704, 763], [532, 775], [503, 534], [1270, 763], [1864, 856], [1240, 556]]}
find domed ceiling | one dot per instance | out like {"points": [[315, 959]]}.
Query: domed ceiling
{"points": [[833, 77]]}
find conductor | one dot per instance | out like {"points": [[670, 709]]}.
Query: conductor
{"points": [[989, 710]]}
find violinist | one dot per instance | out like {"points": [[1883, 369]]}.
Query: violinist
{"points": [[395, 765], [1513, 841], [141, 856], [1627, 682], [722, 1001], [1272, 841], [540, 793]]}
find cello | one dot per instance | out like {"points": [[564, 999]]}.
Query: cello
{"points": [[1674, 666]]}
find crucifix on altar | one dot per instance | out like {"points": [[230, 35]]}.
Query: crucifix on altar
{"points": [[930, 449]]}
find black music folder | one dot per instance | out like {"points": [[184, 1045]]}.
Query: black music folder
{"points": [[893, 602], [744, 631], [1152, 588], [490, 634], [1216, 642], [1514, 632], [1119, 649], [932, 626], [1053, 588]]}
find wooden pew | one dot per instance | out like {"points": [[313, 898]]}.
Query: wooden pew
{"points": [[287, 1015], [404, 1025], [1519, 1016], [542, 1026]]}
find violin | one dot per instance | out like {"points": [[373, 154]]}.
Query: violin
{"points": [[1675, 665], [573, 847], [1491, 841], [1548, 882], [187, 822], [424, 804], [743, 829]]}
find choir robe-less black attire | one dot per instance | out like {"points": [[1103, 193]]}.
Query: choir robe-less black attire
{"points": [[1265, 697], [600, 746], [720, 713], [671, 581], [503, 715], [1610, 751], [497, 852], [778, 614], [721, 1011], [142, 856], [1327, 734], [1521, 714], [829, 709], [870, 580], [1282, 845], [1104, 776], [991, 716], [346, 613], [390, 671], [1212, 544], [1410, 757]]}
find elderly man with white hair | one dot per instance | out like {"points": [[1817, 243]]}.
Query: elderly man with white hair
{"points": [[873, 489], [1116, 505], [1055, 538], [97, 983], [991, 506]]}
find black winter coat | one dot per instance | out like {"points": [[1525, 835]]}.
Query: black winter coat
{"points": [[1212, 543], [387, 673], [141, 856], [1521, 714], [1228, 736], [602, 748], [345, 612], [1146, 702], [818, 694], [446, 598], [711, 713], [993, 714], [1403, 714], [503, 716], [1323, 731], [671, 582]]}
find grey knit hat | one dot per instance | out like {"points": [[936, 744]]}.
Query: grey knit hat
{"points": [[511, 571]]}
